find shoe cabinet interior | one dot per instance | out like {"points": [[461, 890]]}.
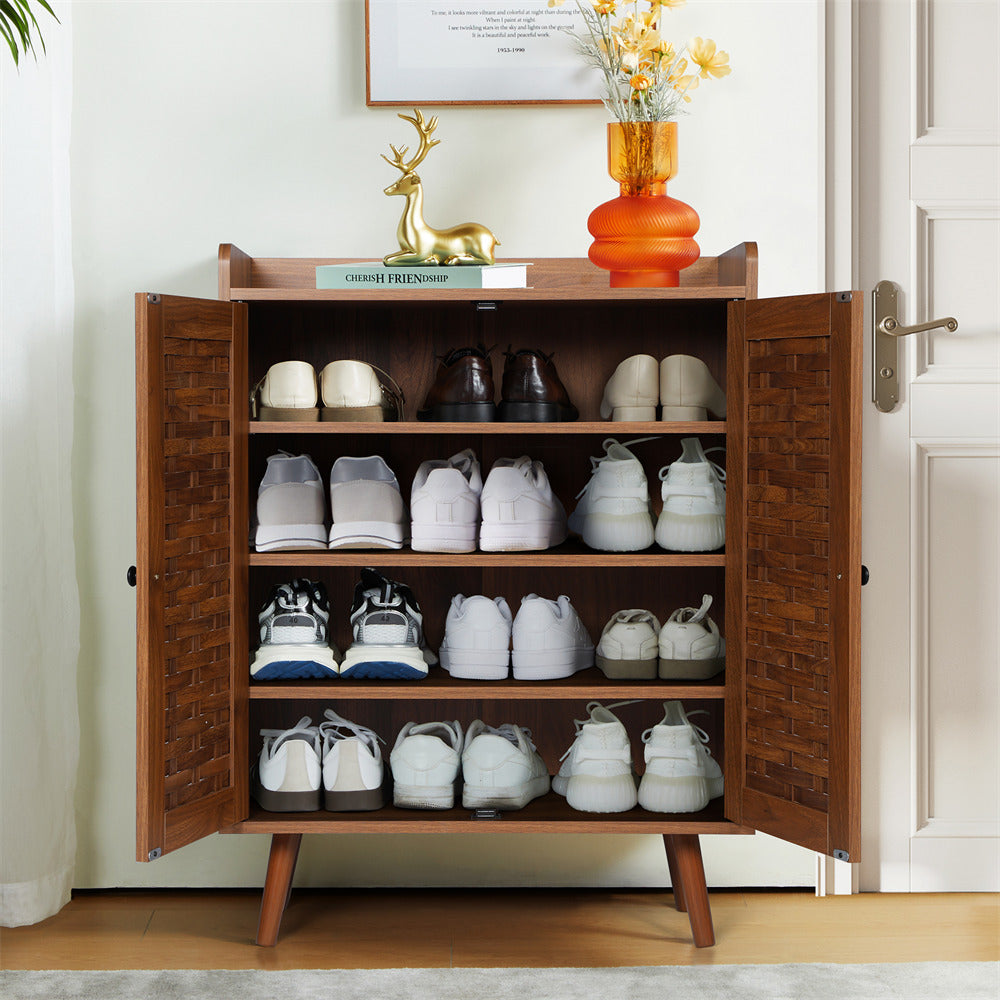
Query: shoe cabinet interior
{"points": [[783, 719]]}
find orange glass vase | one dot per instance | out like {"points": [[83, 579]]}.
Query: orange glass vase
{"points": [[643, 237]]}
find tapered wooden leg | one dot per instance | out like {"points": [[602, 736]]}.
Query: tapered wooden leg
{"points": [[691, 871], [277, 885], [675, 875]]}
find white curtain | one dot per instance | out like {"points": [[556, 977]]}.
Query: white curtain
{"points": [[39, 607]]}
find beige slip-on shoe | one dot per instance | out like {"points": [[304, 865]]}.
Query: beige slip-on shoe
{"points": [[287, 392], [688, 391], [632, 391], [351, 390]]}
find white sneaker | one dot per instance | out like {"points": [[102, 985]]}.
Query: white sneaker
{"points": [[596, 773], [366, 505], [294, 634], [520, 511], [287, 392], [633, 390], [690, 646], [549, 640], [352, 391], [444, 504], [425, 765], [693, 518], [614, 513], [501, 767], [688, 391], [291, 506], [287, 775], [476, 643], [681, 775], [628, 645], [353, 772]]}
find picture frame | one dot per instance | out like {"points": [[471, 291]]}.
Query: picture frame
{"points": [[473, 52]]}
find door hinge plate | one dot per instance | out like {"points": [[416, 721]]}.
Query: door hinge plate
{"points": [[842, 855]]}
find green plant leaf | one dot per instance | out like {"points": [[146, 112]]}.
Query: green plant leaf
{"points": [[7, 34]]}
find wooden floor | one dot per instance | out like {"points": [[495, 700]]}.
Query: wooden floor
{"points": [[439, 928]]}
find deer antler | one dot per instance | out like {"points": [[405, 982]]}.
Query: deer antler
{"points": [[425, 129]]}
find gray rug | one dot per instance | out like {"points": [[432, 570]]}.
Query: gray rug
{"points": [[903, 981]]}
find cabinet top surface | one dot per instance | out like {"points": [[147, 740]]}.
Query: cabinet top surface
{"points": [[732, 275]]}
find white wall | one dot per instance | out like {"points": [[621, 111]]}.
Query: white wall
{"points": [[244, 122]]}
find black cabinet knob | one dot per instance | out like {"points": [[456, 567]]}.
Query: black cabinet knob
{"points": [[130, 576], [864, 575]]}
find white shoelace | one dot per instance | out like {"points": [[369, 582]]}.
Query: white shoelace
{"points": [[718, 469], [591, 705], [333, 730], [595, 460], [303, 727], [697, 615]]}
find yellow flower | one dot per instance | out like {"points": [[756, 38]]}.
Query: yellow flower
{"points": [[664, 52], [605, 7], [556, 3], [636, 41], [684, 85], [703, 54], [640, 82]]}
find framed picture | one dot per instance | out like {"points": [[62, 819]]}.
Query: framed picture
{"points": [[474, 52]]}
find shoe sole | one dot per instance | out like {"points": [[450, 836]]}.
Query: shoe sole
{"points": [[443, 537], [402, 663], [588, 793], [691, 532], [366, 535], [617, 532], [288, 661], [526, 537], [425, 796], [290, 413], [478, 413], [658, 793], [270, 537], [517, 797], [550, 664], [536, 413], [358, 414], [476, 665], [638, 670], [690, 670], [284, 801]]}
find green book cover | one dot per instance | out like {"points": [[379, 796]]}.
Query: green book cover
{"points": [[378, 275]]}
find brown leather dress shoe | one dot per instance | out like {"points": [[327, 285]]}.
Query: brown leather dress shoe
{"points": [[532, 390], [463, 388]]}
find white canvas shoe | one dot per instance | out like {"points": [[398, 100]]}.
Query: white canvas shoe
{"points": [[613, 513], [501, 767], [444, 504], [476, 644], [291, 505], [690, 647], [352, 391], [549, 640], [520, 511], [287, 774], [353, 771], [425, 765], [688, 391], [366, 506], [681, 775], [287, 392], [633, 390], [627, 649], [693, 517], [596, 773]]}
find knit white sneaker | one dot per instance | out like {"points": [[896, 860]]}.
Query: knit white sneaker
{"points": [[444, 504], [366, 505], [287, 392], [549, 640], [633, 390], [613, 513], [520, 511], [628, 645], [425, 765], [681, 775], [290, 505], [476, 644], [690, 647], [688, 391], [353, 772], [596, 772], [501, 767], [693, 518], [352, 391], [286, 777]]}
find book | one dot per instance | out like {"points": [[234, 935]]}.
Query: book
{"points": [[377, 275]]}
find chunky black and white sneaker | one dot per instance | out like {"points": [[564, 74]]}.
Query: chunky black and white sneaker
{"points": [[388, 631], [294, 637]]}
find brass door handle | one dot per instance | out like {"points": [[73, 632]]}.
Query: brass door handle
{"points": [[886, 331]]}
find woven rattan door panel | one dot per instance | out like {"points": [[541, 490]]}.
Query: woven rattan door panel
{"points": [[191, 569], [794, 569]]}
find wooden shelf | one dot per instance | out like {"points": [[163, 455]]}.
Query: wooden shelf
{"points": [[571, 553], [606, 428], [587, 685], [548, 814]]}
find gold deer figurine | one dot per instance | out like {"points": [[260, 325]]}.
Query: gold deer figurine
{"points": [[468, 243]]}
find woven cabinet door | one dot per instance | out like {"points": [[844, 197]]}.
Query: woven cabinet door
{"points": [[191, 562], [793, 569]]}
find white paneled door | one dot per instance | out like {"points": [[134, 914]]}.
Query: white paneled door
{"points": [[928, 198]]}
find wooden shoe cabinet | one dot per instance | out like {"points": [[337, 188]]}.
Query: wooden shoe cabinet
{"points": [[784, 717]]}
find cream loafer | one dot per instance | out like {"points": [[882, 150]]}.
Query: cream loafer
{"points": [[632, 391], [688, 391]]}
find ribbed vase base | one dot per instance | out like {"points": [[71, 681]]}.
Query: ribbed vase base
{"points": [[645, 279]]}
